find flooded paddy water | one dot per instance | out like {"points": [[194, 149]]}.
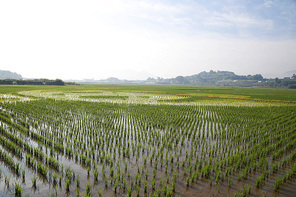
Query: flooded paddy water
{"points": [[136, 144]]}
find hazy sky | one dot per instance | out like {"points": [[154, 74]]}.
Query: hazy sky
{"points": [[120, 38]]}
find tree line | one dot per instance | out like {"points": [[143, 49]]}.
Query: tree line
{"points": [[32, 82]]}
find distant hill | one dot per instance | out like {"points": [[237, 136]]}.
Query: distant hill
{"points": [[279, 75], [211, 78], [289, 73], [227, 78], [5, 74]]}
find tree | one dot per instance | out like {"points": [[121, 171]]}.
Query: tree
{"points": [[292, 86], [180, 79], [258, 77], [59, 82]]}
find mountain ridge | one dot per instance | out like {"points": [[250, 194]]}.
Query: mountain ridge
{"points": [[6, 74]]}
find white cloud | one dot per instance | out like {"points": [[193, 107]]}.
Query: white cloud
{"points": [[238, 20], [162, 13], [268, 3]]}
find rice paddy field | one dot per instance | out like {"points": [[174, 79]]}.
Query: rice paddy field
{"points": [[132, 140]]}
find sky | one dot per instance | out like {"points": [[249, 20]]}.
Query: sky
{"points": [[135, 39]]}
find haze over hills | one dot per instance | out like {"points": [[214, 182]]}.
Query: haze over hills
{"points": [[132, 75], [211, 78], [5, 74], [129, 74], [288, 74], [279, 75]]}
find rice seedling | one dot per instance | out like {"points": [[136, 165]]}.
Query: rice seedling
{"points": [[54, 178], [77, 191], [23, 175], [173, 186], [106, 183], [100, 193], [187, 181], [96, 173], [60, 180], [34, 182], [17, 190], [115, 187], [129, 192], [7, 181], [249, 189], [67, 183], [88, 188], [78, 181], [153, 184], [158, 191], [145, 187]]}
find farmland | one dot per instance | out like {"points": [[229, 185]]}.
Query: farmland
{"points": [[111, 140]]}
